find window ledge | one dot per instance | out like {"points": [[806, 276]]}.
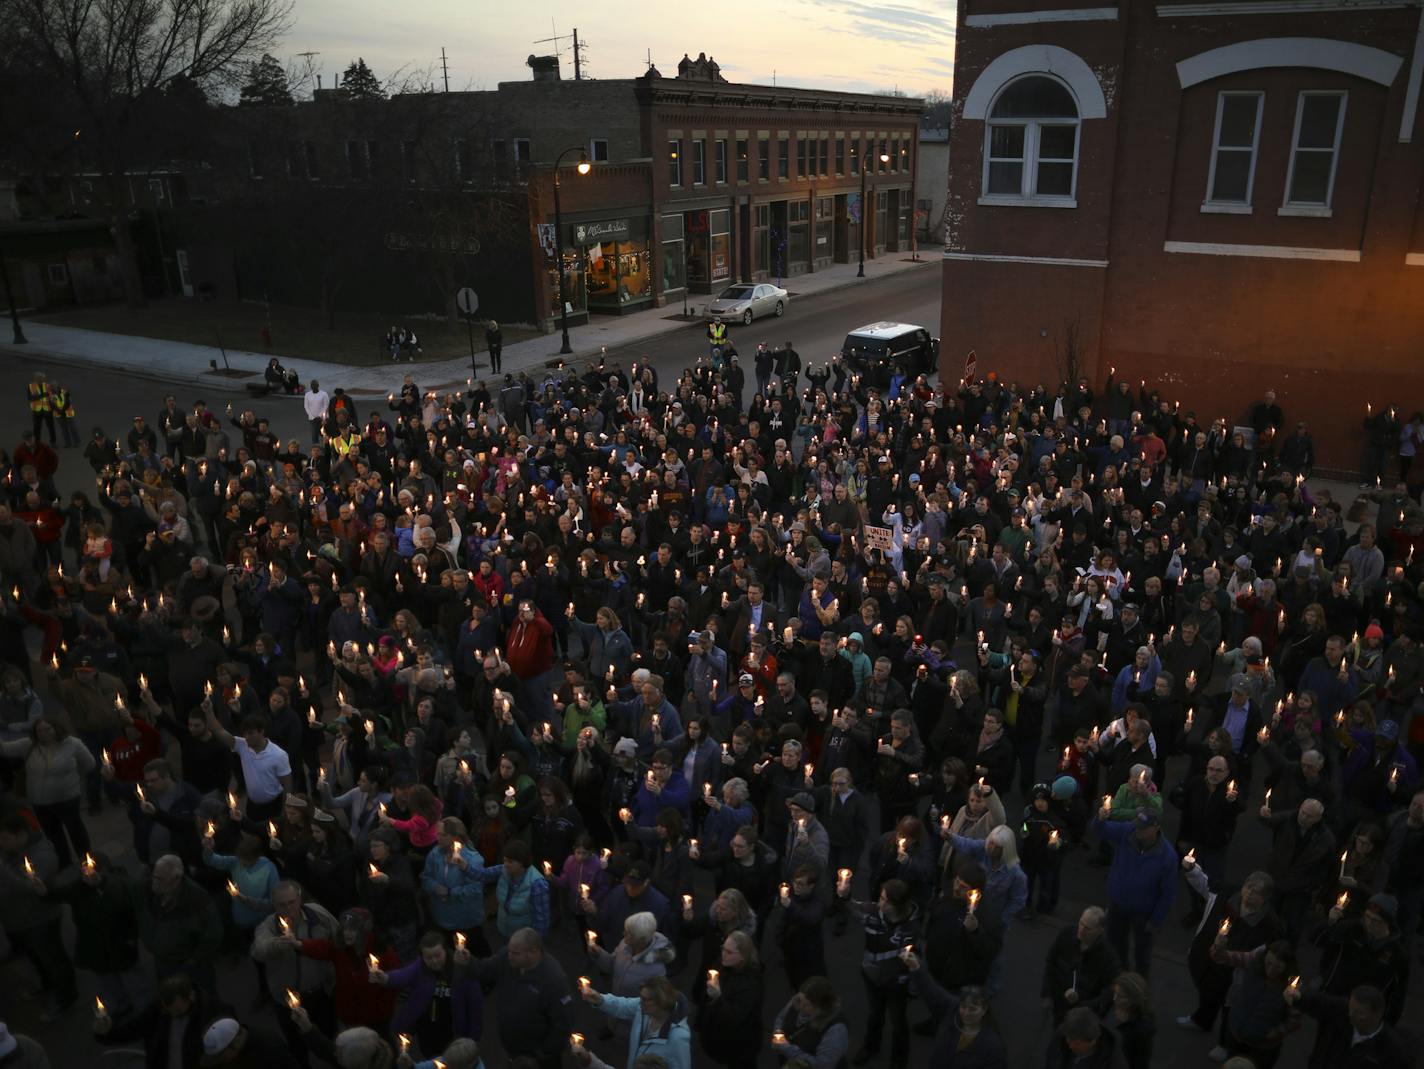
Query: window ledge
{"points": [[1307, 211], [1224, 208], [1029, 202]]}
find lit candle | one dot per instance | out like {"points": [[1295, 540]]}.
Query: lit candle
{"points": [[843, 880], [1225, 929], [625, 814], [272, 826], [232, 889], [592, 939], [973, 899], [99, 1011], [1343, 900], [712, 977], [584, 890], [1053, 837], [1344, 855], [404, 1044], [373, 963], [576, 1042], [1191, 857], [584, 983], [686, 901], [785, 893], [509, 794], [810, 768], [293, 999], [459, 940], [138, 791], [285, 925], [88, 867], [374, 872]]}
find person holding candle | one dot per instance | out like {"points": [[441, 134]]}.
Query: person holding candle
{"points": [[255, 878], [1080, 965], [729, 1022], [730, 912], [348, 952], [330, 862], [657, 1020], [531, 997], [31, 920], [386, 887], [642, 953], [1379, 774], [442, 1001], [170, 1026], [800, 930], [891, 923], [276, 946], [56, 765], [1210, 805], [454, 892], [663, 787], [1302, 855], [520, 889], [1142, 883], [1367, 949], [1045, 837], [807, 841], [1258, 1017], [812, 1027], [727, 810]]}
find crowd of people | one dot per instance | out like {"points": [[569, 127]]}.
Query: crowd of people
{"points": [[604, 708]]}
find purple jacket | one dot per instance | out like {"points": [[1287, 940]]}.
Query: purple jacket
{"points": [[466, 1001]]}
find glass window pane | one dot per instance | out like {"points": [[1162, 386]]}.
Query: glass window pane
{"points": [[1006, 142], [1318, 118], [1238, 122], [1310, 181], [1056, 142], [1006, 179], [1035, 98], [1055, 180], [1233, 173]]}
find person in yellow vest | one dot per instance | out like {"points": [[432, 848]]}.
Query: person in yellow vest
{"points": [[62, 408], [716, 337], [40, 411]]}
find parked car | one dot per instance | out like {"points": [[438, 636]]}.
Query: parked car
{"points": [[876, 349], [746, 301]]}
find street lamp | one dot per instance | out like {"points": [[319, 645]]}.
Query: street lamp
{"points": [[884, 158], [583, 168], [20, 338]]}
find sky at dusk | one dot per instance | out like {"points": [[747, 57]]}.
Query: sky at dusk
{"points": [[829, 44]]}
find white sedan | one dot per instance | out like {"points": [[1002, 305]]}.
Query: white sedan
{"points": [[747, 301]]}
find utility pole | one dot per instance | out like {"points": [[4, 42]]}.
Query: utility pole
{"points": [[578, 67], [445, 66]]}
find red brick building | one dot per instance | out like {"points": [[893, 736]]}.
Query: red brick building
{"points": [[1220, 197]]}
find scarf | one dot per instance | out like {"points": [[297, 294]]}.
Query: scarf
{"points": [[986, 739]]}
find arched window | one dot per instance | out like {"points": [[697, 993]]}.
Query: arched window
{"points": [[1031, 142]]}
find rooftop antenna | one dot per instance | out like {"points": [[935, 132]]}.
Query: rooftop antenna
{"points": [[445, 66], [578, 47]]}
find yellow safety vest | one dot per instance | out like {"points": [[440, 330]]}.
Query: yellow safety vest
{"points": [[63, 404], [39, 397], [344, 445]]}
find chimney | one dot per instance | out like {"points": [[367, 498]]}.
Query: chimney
{"points": [[545, 68]]}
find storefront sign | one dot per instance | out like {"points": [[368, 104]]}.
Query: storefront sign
{"points": [[547, 241], [596, 233]]}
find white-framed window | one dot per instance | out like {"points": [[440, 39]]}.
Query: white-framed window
{"points": [[1315, 152], [699, 161], [598, 150], [1031, 144], [1236, 138]]}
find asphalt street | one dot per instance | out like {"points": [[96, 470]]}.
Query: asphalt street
{"points": [[816, 328]]}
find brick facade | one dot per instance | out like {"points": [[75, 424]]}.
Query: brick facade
{"points": [[1215, 301]]}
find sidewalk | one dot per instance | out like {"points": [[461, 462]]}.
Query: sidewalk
{"points": [[182, 362]]}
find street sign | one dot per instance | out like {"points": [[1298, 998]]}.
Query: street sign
{"points": [[970, 363], [467, 301]]}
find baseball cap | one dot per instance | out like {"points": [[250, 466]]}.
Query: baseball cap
{"points": [[626, 746], [745, 680], [220, 1035], [1147, 818], [1388, 729]]}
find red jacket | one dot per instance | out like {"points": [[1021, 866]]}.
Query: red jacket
{"points": [[530, 650], [129, 756], [358, 1001], [491, 587]]}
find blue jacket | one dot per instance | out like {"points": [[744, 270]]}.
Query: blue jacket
{"points": [[676, 794], [604, 648], [1140, 881], [672, 1043], [1125, 680], [464, 907], [1005, 884]]}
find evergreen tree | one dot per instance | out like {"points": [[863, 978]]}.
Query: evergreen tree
{"points": [[360, 84], [266, 84]]}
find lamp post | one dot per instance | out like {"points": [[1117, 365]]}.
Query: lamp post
{"points": [[19, 338], [583, 168], [864, 167]]}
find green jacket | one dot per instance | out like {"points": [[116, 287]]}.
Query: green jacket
{"points": [[1125, 804]]}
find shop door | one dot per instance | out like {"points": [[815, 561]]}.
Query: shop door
{"points": [[776, 263]]}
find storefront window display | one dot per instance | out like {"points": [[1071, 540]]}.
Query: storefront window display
{"points": [[573, 284], [617, 265], [674, 255], [709, 247]]}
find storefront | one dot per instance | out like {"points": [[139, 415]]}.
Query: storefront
{"points": [[708, 248], [615, 263]]}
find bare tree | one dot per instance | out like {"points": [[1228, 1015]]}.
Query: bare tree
{"points": [[110, 61]]}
